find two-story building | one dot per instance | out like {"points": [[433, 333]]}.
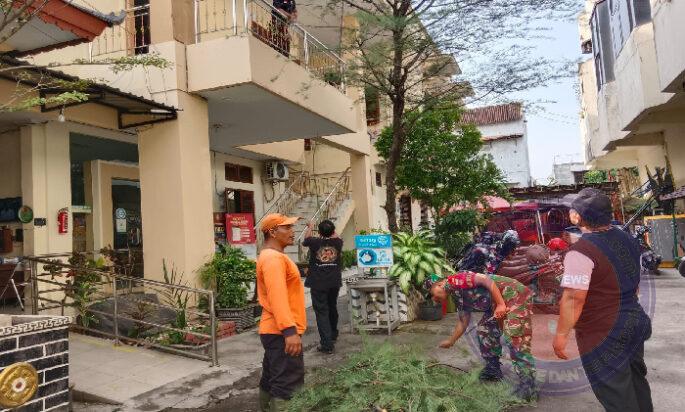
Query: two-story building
{"points": [[633, 85], [505, 137], [242, 101]]}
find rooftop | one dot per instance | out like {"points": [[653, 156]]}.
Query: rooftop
{"points": [[502, 113]]}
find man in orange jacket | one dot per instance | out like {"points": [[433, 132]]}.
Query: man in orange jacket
{"points": [[283, 321]]}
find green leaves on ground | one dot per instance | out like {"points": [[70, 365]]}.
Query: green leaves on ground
{"points": [[398, 378], [416, 258]]}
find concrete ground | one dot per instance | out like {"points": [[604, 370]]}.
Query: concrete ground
{"points": [[232, 386]]}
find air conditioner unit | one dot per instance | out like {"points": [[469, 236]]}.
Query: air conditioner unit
{"points": [[276, 172]]}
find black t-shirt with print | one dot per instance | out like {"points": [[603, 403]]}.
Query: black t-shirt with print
{"points": [[325, 264]]}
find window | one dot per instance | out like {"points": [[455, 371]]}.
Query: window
{"points": [[307, 145], [373, 106], [239, 201], [238, 173], [379, 179], [141, 25]]}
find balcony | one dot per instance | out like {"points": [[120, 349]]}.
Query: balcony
{"points": [[669, 31], [250, 63], [131, 37], [637, 79]]}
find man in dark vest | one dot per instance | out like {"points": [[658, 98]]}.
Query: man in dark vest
{"points": [[600, 301]]}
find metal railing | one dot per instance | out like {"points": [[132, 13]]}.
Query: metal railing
{"points": [[169, 315], [286, 202], [328, 208], [130, 37], [216, 18]]}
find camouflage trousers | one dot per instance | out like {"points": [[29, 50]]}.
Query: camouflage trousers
{"points": [[517, 329]]}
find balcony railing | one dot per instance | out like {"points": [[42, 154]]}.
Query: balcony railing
{"points": [[131, 37], [220, 18]]}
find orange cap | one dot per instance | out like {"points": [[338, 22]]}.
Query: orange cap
{"points": [[273, 220]]}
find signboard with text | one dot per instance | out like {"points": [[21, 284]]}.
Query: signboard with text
{"points": [[240, 233], [374, 251]]}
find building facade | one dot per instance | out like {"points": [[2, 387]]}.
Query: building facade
{"points": [[505, 138], [248, 101], [632, 85]]}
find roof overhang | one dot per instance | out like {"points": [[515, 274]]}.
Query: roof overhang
{"points": [[55, 24], [132, 110]]}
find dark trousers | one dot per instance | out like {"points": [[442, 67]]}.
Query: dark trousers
{"points": [[282, 374], [325, 303], [626, 389]]}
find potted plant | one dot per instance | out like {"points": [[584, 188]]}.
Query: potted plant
{"points": [[416, 257], [230, 273]]}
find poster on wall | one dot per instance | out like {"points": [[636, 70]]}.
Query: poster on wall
{"points": [[240, 233]]}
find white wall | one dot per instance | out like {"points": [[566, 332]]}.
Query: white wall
{"points": [[510, 155]]}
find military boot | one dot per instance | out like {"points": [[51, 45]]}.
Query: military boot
{"points": [[527, 389], [492, 371], [264, 401], [278, 405]]}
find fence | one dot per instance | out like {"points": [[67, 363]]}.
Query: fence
{"points": [[215, 18], [131, 37], [106, 300]]}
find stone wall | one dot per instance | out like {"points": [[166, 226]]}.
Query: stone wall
{"points": [[42, 342]]}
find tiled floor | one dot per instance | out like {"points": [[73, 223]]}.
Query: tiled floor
{"points": [[117, 373]]}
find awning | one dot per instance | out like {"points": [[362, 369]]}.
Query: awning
{"points": [[57, 23], [132, 110]]}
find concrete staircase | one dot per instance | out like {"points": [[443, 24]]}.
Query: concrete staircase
{"points": [[307, 207]]}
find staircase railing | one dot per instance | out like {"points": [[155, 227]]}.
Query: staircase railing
{"points": [[286, 201], [327, 209]]}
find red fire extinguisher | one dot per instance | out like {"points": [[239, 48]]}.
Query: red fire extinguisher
{"points": [[63, 221]]}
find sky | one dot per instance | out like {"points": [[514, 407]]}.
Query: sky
{"points": [[554, 131], [553, 115]]}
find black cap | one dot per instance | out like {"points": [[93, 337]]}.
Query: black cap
{"points": [[592, 205]]}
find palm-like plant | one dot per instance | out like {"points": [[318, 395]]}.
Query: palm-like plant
{"points": [[416, 257]]}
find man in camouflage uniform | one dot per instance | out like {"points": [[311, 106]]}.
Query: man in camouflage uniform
{"points": [[475, 292]]}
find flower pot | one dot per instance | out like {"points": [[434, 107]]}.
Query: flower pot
{"points": [[243, 317], [430, 311]]}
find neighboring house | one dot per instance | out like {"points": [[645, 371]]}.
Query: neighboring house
{"points": [[505, 137], [632, 85], [569, 173]]}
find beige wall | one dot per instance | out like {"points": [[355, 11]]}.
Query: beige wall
{"points": [[10, 178], [176, 191], [637, 79], [99, 175], [669, 32], [290, 151]]}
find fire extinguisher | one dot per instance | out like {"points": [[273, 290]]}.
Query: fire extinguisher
{"points": [[63, 221]]}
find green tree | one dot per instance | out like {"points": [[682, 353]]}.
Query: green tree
{"points": [[440, 163], [408, 51], [595, 176]]}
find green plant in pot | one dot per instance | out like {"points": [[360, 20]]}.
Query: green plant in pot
{"points": [[230, 273], [416, 257]]}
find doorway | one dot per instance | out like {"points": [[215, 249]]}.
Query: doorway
{"points": [[128, 224]]}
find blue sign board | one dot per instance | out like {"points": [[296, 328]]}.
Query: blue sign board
{"points": [[374, 251]]}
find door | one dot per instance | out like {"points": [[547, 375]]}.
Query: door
{"points": [[240, 201], [128, 225]]}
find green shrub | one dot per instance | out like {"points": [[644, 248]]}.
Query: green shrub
{"points": [[230, 273], [454, 230], [416, 257], [349, 258], [383, 377]]}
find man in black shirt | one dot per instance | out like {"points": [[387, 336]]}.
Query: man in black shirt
{"points": [[324, 280]]}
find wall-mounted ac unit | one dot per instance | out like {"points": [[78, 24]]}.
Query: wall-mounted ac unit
{"points": [[276, 172]]}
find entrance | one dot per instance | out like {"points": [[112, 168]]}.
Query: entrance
{"points": [[128, 228]]}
